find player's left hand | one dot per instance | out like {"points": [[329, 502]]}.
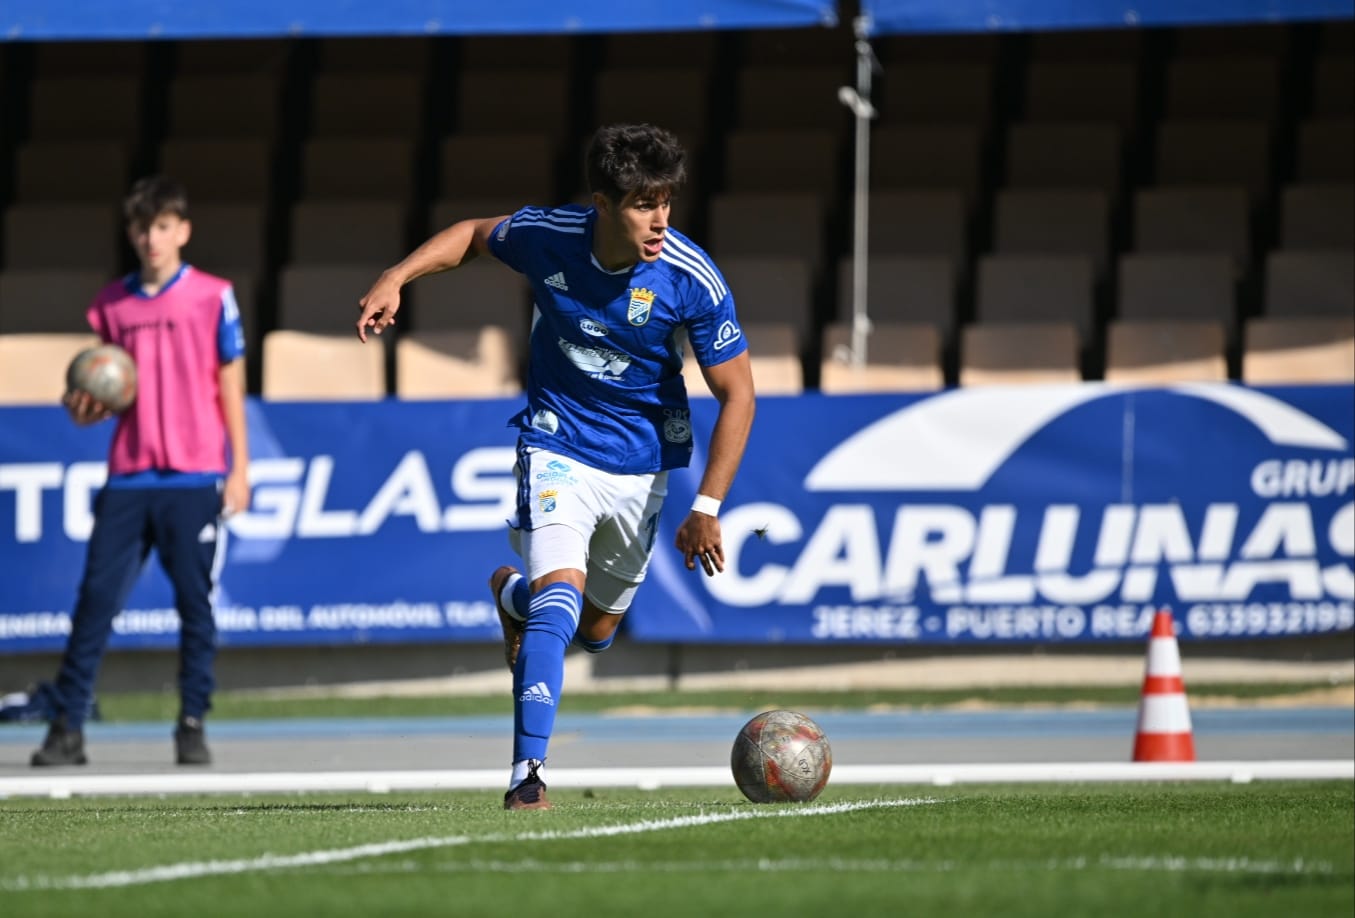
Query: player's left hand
{"points": [[235, 496], [699, 538]]}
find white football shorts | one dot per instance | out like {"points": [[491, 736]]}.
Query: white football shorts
{"points": [[573, 516]]}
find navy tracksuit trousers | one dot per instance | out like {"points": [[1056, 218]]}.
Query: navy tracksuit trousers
{"points": [[183, 526]]}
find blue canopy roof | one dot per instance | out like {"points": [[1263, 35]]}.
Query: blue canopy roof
{"points": [[893, 16], [140, 19]]}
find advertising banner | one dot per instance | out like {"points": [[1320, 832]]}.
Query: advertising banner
{"points": [[1032, 514]]}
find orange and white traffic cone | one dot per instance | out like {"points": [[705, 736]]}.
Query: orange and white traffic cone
{"points": [[1164, 731]]}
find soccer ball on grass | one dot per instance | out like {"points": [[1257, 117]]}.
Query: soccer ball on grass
{"points": [[781, 756]]}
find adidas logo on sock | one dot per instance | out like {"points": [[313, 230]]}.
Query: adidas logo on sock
{"points": [[537, 692], [557, 280]]}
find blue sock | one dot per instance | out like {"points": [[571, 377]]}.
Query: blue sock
{"points": [[594, 646], [551, 622]]}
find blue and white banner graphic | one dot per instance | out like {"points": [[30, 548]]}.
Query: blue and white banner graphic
{"points": [[971, 516]]}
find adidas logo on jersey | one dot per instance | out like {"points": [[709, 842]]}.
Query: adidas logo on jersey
{"points": [[537, 692], [557, 280]]}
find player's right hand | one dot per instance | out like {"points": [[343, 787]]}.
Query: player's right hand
{"points": [[84, 408], [379, 306]]}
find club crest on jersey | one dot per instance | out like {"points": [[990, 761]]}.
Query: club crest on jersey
{"points": [[641, 304], [547, 499]]}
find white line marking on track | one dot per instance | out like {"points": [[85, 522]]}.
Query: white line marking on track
{"points": [[190, 869]]}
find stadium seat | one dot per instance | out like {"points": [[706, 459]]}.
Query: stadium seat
{"points": [[1079, 45], [89, 58], [473, 296], [623, 50], [1310, 283], [33, 366], [323, 298], [899, 358], [790, 98], [307, 366], [928, 156], [936, 92], [1326, 151], [1223, 86], [366, 105], [71, 171], [228, 234], [782, 160], [354, 168], [444, 213], [1333, 86], [903, 289], [790, 224], [1012, 289], [72, 237], [1214, 153], [463, 363], [919, 222], [1053, 222], [252, 56], [1165, 351], [1066, 156], [1193, 221], [85, 108], [1318, 217], [513, 101], [903, 49], [1084, 91], [1019, 353], [1299, 351], [522, 166], [627, 95], [795, 47], [367, 54], [1206, 42], [52, 300], [539, 53], [241, 106], [1160, 286], [224, 170], [343, 232], [771, 289], [773, 357]]}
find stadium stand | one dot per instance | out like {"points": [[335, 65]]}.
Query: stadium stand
{"points": [[1291, 351], [900, 357], [1165, 351], [32, 366], [1019, 353], [313, 366], [1153, 153], [50, 300]]}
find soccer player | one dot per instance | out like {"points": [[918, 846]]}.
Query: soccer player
{"points": [[616, 290], [169, 479]]}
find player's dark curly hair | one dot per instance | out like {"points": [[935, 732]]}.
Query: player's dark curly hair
{"points": [[152, 196], [626, 158]]}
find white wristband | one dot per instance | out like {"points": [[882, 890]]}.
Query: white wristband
{"points": [[707, 505]]}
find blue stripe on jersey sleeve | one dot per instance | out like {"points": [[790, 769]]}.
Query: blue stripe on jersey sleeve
{"points": [[230, 334]]}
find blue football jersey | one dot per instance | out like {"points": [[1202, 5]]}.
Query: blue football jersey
{"points": [[604, 381]]}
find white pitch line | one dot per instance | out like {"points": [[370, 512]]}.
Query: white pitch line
{"points": [[66, 784], [192, 869], [1157, 864]]}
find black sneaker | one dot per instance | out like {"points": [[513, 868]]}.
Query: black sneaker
{"points": [[530, 794], [512, 627], [190, 742], [61, 747]]}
